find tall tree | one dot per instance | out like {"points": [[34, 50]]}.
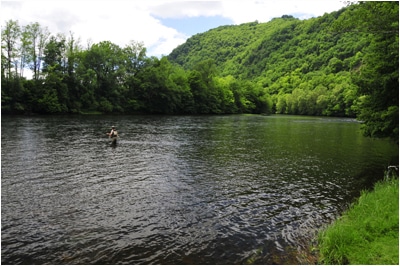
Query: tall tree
{"points": [[38, 37], [54, 73], [25, 45], [53, 54], [9, 39], [135, 53], [202, 84], [32, 32], [378, 75], [70, 58], [11, 88], [107, 60]]}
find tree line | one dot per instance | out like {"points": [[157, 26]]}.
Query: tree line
{"points": [[107, 78], [340, 64]]}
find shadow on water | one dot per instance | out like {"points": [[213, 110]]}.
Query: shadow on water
{"points": [[113, 144]]}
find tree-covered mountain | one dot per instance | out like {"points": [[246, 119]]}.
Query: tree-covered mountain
{"points": [[340, 64], [253, 50], [317, 66], [303, 64]]}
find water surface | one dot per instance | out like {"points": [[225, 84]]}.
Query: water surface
{"points": [[177, 189]]}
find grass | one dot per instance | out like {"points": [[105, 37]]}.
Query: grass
{"points": [[368, 233]]}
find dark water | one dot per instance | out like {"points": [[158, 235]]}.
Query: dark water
{"points": [[177, 190]]}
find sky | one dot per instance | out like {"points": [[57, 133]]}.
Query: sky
{"points": [[161, 25]]}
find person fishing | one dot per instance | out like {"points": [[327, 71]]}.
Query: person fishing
{"points": [[113, 135]]}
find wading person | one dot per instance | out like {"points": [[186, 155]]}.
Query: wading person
{"points": [[113, 135]]}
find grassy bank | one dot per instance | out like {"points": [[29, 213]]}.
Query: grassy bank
{"points": [[368, 233]]}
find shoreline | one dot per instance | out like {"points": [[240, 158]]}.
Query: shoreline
{"points": [[366, 233], [372, 241]]}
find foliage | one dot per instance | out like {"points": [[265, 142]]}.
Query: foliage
{"points": [[368, 233], [378, 76], [304, 68], [340, 64]]}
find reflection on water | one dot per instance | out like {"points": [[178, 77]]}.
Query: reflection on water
{"points": [[177, 190]]}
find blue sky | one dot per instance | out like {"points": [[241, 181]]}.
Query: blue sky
{"points": [[193, 25], [161, 25]]}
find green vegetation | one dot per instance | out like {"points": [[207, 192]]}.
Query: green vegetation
{"points": [[368, 233], [340, 64]]}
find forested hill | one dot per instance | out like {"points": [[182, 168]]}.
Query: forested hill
{"points": [[290, 58], [241, 47], [344, 63], [340, 64]]}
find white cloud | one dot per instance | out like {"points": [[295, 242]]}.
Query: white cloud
{"points": [[95, 21], [265, 10], [180, 9], [121, 21]]}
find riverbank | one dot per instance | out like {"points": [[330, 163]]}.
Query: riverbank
{"points": [[368, 233]]}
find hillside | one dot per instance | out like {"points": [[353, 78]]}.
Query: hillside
{"points": [[344, 63], [285, 56], [226, 43], [252, 49]]}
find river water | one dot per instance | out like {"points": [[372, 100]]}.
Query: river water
{"points": [[177, 189]]}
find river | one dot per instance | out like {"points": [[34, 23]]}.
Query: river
{"points": [[177, 189]]}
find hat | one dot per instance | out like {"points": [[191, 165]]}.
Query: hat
{"points": [[113, 127]]}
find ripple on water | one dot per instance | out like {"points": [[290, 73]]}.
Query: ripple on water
{"points": [[175, 190]]}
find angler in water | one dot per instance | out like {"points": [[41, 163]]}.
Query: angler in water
{"points": [[113, 135]]}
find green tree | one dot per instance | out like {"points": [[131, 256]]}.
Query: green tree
{"points": [[53, 94], [37, 37], [71, 61], [54, 51], [25, 46], [202, 84], [162, 88], [135, 61], [107, 62], [378, 75], [9, 40], [11, 89], [155, 87], [224, 87], [56, 96], [181, 88]]}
